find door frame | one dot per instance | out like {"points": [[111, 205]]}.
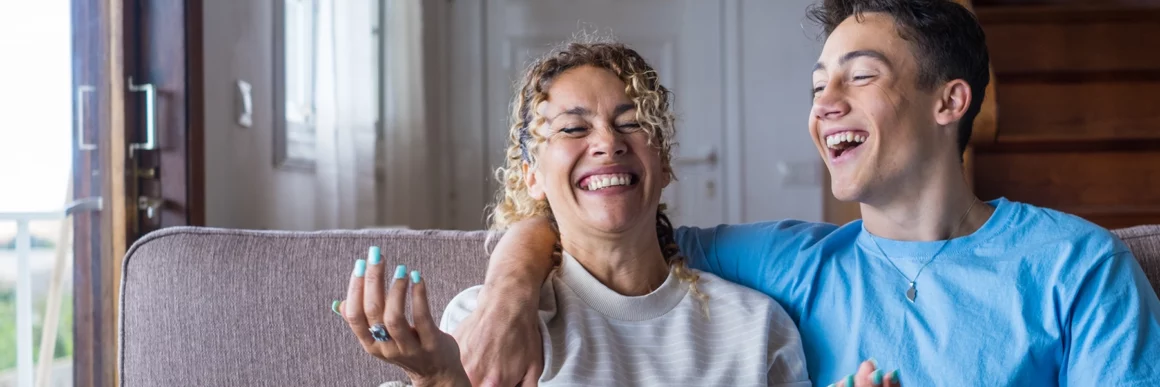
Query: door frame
{"points": [[97, 280]]}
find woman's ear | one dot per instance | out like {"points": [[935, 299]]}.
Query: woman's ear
{"points": [[953, 102], [532, 181]]}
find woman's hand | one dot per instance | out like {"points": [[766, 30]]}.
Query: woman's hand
{"points": [[870, 376], [429, 356]]}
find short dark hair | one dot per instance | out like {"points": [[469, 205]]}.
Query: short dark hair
{"points": [[946, 38]]}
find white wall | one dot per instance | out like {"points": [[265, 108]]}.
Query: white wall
{"points": [[771, 47], [243, 189], [781, 170], [773, 168]]}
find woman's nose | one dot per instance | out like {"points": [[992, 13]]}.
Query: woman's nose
{"points": [[608, 142]]}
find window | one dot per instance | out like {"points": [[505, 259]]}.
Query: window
{"points": [[295, 53]]}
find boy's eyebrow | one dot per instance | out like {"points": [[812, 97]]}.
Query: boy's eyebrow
{"points": [[857, 54]]}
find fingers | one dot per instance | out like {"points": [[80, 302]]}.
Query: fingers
{"points": [[868, 375], [848, 381], [532, 378], [862, 377], [891, 379], [352, 309], [395, 316], [421, 311], [372, 302]]}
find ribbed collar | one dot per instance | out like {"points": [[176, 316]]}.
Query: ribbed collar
{"points": [[615, 305]]}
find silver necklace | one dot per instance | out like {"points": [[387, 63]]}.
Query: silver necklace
{"points": [[912, 292]]}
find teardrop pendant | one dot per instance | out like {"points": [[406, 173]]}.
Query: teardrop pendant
{"points": [[911, 293]]}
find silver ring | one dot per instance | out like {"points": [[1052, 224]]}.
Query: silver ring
{"points": [[379, 332]]}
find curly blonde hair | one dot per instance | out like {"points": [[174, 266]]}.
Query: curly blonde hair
{"points": [[653, 112]]}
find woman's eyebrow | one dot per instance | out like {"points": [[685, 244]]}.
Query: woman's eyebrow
{"points": [[576, 111], [622, 108]]}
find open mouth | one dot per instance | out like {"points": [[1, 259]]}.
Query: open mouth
{"points": [[606, 181], [841, 143]]}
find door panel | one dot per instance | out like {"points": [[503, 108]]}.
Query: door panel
{"points": [[157, 114], [682, 39], [93, 333]]}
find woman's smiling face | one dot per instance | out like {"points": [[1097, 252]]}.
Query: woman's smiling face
{"points": [[595, 166]]}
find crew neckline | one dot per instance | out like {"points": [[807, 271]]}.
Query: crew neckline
{"points": [[1005, 211], [615, 305]]}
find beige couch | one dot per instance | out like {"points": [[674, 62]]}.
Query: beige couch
{"points": [[212, 307]]}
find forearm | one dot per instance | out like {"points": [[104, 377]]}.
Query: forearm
{"points": [[520, 262]]}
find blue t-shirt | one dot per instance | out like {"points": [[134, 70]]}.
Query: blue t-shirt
{"points": [[1035, 297]]}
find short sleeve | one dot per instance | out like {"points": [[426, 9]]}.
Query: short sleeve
{"points": [[753, 254], [459, 308], [787, 358], [1113, 327]]}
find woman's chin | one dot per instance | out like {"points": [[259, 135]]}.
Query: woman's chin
{"points": [[614, 223]]}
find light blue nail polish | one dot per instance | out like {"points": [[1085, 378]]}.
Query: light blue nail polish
{"points": [[876, 377], [400, 271], [373, 255], [849, 380], [334, 307], [360, 267], [415, 276], [894, 377]]}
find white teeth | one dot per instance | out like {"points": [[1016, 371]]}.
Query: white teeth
{"points": [[604, 181], [835, 139]]}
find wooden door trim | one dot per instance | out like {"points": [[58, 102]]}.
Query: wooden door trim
{"points": [[119, 211], [195, 112]]}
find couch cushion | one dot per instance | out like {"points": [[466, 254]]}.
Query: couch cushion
{"points": [[1144, 241], [212, 307]]}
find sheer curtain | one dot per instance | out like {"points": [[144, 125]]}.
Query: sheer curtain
{"points": [[345, 101], [406, 189]]}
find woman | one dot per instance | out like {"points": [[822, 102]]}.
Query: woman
{"points": [[590, 147]]}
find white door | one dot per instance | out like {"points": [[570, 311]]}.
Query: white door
{"points": [[681, 38]]}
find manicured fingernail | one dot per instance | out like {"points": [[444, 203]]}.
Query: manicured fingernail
{"points": [[334, 307], [850, 380], [876, 377], [415, 276], [894, 377], [873, 362], [360, 267], [374, 256], [400, 271]]}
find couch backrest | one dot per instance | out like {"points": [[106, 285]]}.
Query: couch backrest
{"points": [[213, 307]]}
